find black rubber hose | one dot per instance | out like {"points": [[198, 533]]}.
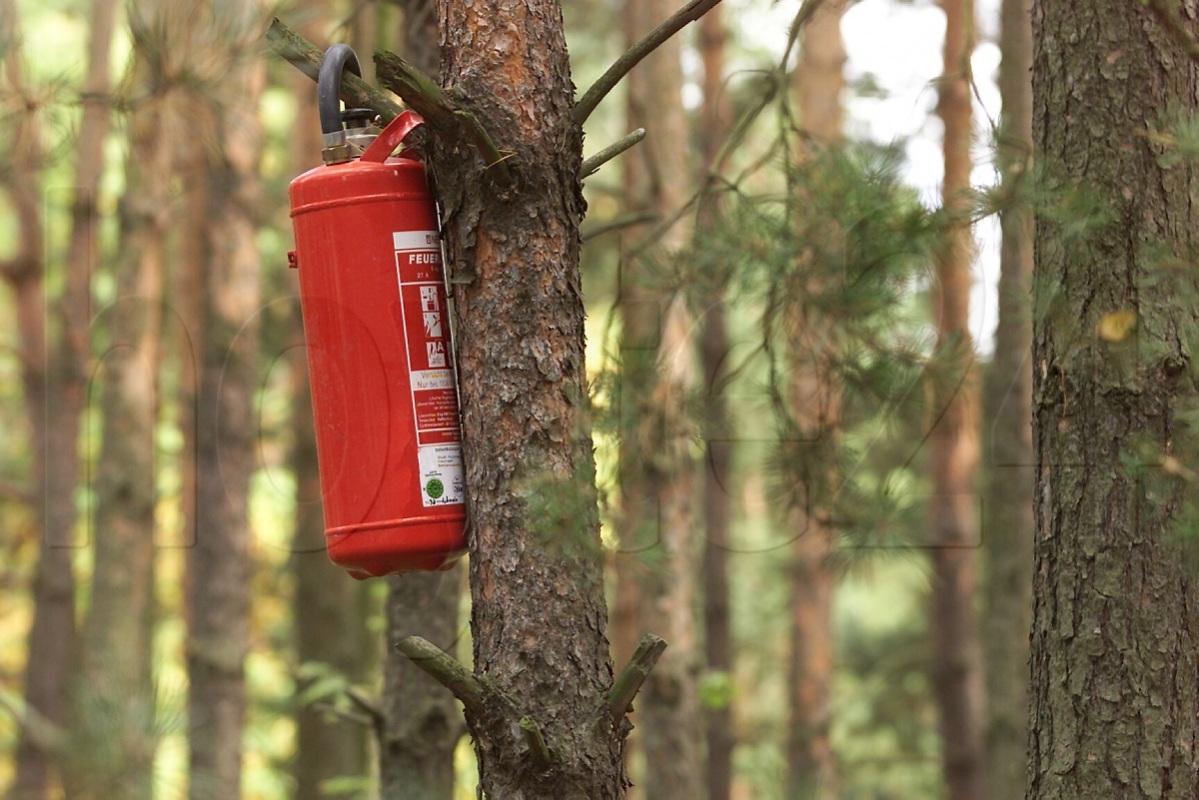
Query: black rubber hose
{"points": [[328, 85]]}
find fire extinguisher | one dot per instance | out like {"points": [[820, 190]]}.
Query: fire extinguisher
{"points": [[373, 297]]}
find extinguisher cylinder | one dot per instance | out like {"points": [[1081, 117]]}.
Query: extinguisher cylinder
{"points": [[384, 394]]}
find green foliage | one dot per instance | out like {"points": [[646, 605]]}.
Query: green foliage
{"points": [[831, 266], [717, 689]]}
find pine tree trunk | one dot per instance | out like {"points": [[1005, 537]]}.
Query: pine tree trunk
{"points": [[657, 469], [957, 654], [714, 348], [113, 706], [422, 722], [55, 384], [1115, 642], [538, 612], [219, 563], [1008, 503], [816, 406], [423, 725]]}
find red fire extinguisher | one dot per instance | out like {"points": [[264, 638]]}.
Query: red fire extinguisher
{"points": [[373, 297]]}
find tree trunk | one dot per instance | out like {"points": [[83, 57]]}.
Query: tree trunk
{"points": [[714, 348], [113, 707], [816, 406], [423, 725], [219, 565], [1115, 643], [957, 654], [55, 384], [657, 470], [1008, 503], [538, 613]]}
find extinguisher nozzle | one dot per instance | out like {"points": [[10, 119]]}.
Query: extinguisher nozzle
{"points": [[337, 59]]}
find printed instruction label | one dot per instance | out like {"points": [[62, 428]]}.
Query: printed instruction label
{"points": [[430, 366]]}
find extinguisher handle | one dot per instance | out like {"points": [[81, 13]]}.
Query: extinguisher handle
{"points": [[396, 131]]}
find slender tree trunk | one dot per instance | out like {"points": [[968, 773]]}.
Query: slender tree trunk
{"points": [[1115, 639], [219, 565], [55, 382], [957, 654], [714, 347], [539, 715], [1008, 504], [816, 406], [113, 740], [422, 725], [657, 469]]}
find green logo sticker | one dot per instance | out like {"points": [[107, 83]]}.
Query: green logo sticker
{"points": [[435, 488]]}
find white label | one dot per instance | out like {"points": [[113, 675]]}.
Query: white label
{"points": [[431, 373], [441, 479], [417, 240]]}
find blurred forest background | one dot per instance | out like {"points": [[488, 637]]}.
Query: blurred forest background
{"points": [[813, 457]]}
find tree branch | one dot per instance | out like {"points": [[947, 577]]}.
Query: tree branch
{"points": [[418, 90], [629, 681], [366, 705], [592, 165], [623, 65], [345, 715], [440, 111], [43, 732], [1167, 14], [306, 57], [620, 223], [444, 669]]}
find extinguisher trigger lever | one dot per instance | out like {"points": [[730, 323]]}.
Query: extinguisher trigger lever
{"points": [[392, 136]]}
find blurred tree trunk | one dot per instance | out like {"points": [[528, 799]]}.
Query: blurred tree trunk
{"points": [[714, 347], [219, 563], [1008, 504], [957, 652], [658, 471], [816, 406], [113, 730], [1115, 640], [422, 725], [328, 605], [54, 378]]}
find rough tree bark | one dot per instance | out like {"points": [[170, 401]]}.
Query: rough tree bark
{"points": [[657, 470], [816, 406], [1115, 639], [957, 653], [1008, 502], [219, 563], [714, 348], [54, 362], [535, 559]]}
